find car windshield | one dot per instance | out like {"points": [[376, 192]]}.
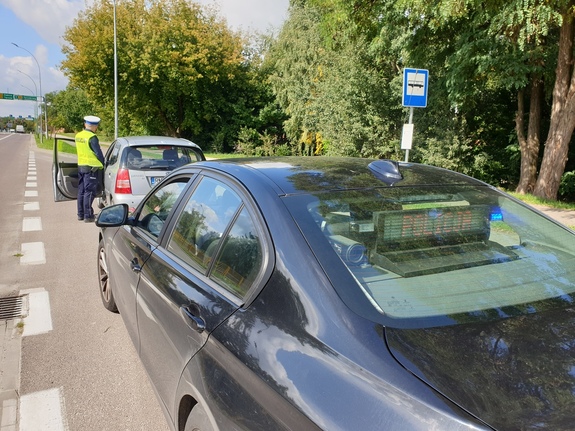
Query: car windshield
{"points": [[461, 252], [164, 157]]}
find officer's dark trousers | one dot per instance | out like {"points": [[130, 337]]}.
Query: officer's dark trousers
{"points": [[87, 187]]}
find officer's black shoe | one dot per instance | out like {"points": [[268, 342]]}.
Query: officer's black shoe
{"points": [[80, 218], [90, 220]]}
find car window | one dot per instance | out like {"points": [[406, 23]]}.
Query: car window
{"points": [[202, 222], [112, 154], [191, 155], [240, 259], [431, 252], [208, 233], [157, 207], [161, 157]]}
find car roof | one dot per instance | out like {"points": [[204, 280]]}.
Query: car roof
{"points": [[143, 141], [297, 175]]}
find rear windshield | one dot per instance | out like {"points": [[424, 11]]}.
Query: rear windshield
{"points": [[158, 157], [442, 251]]}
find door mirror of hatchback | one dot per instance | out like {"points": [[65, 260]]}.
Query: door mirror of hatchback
{"points": [[113, 216]]}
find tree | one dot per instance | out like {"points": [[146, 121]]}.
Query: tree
{"points": [[337, 101], [562, 120], [487, 46], [182, 72], [68, 108]]}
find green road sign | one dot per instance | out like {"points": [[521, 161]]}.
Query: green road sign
{"points": [[9, 96]]}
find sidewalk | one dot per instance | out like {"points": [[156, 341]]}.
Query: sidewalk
{"points": [[566, 217], [10, 346]]}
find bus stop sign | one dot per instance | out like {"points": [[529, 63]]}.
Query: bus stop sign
{"points": [[415, 88]]}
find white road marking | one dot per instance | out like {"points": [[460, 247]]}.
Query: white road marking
{"points": [[31, 206], [30, 224], [43, 410], [39, 318], [32, 253]]}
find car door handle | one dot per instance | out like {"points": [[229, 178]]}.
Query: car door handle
{"points": [[193, 321], [135, 266]]}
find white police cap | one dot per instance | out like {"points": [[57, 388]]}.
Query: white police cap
{"points": [[92, 119]]}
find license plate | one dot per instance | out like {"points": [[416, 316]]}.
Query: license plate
{"points": [[155, 180]]}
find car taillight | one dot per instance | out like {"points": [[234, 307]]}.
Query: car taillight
{"points": [[123, 185]]}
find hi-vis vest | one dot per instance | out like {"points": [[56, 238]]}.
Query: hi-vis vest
{"points": [[86, 156]]}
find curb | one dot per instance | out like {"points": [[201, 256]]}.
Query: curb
{"points": [[10, 347]]}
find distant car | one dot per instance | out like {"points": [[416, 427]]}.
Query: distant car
{"points": [[132, 166], [344, 294], [19, 128]]}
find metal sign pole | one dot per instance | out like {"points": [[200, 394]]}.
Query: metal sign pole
{"points": [[414, 96], [410, 122]]}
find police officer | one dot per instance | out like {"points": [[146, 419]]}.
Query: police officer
{"points": [[90, 166]]}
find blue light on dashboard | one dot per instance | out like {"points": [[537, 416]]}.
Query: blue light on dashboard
{"points": [[496, 214]]}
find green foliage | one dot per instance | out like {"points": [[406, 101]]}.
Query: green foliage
{"points": [[480, 55], [337, 96], [68, 109], [181, 70], [567, 187]]}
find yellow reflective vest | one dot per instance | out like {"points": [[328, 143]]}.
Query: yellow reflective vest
{"points": [[86, 157]]}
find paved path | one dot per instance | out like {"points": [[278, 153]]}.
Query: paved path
{"points": [[567, 217]]}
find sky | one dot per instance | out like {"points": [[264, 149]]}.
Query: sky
{"points": [[37, 26]]}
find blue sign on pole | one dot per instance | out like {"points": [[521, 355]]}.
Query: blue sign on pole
{"points": [[415, 88]]}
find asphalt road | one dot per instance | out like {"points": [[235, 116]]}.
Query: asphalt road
{"points": [[84, 363]]}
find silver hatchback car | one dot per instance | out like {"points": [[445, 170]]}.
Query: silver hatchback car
{"points": [[133, 165]]}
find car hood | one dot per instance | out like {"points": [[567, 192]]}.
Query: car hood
{"points": [[515, 374]]}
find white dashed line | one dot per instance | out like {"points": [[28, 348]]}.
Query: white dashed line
{"points": [[42, 410], [32, 253], [39, 318], [31, 206], [30, 224], [31, 193]]}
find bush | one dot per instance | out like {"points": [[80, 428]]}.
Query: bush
{"points": [[567, 186]]}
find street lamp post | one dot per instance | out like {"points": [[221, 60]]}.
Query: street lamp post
{"points": [[36, 106], [41, 96], [115, 78]]}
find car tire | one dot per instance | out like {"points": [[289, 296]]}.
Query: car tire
{"points": [[104, 280], [198, 420]]}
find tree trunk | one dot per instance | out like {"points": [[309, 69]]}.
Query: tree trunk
{"points": [[555, 154], [562, 115], [529, 146]]}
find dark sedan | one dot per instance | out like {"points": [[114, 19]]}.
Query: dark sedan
{"points": [[344, 294]]}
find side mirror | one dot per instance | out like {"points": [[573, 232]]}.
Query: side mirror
{"points": [[113, 216]]}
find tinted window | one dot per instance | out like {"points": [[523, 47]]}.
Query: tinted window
{"points": [[161, 157], [240, 259], [427, 252], [211, 236], [112, 154], [203, 222], [157, 207]]}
